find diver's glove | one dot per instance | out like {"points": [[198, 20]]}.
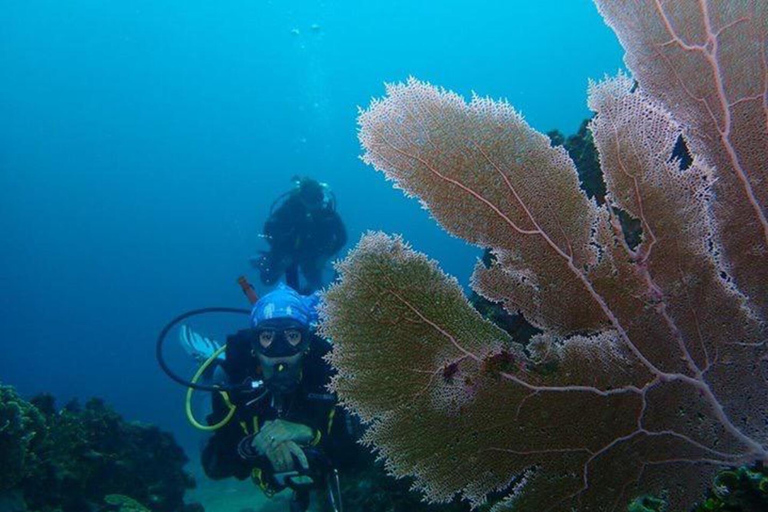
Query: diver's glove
{"points": [[278, 431], [197, 346]]}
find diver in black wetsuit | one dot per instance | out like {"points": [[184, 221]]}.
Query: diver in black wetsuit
{"points": [[287, 433], [304, 231]]}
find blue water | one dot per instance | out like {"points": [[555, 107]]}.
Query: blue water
{"points": [[142, 143]]}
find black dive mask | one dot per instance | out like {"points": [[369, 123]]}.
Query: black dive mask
{"points": [[281, 339]]}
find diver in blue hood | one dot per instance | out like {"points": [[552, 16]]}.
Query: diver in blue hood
{"points": [[281, 429]]}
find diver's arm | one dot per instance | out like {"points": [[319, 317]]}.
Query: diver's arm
{"points": [[317, 420], [220, 458]]}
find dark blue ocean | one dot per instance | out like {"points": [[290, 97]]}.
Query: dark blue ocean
{"points": [[142, 144]]}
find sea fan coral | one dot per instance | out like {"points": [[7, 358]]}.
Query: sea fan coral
{"points": [[651, 371]]}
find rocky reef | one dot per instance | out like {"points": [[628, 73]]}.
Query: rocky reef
{"points": [[79, 458]]}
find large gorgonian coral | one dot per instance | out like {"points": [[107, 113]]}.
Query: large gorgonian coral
{"points": [[652, 369]]}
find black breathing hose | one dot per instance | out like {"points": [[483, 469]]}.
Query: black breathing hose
{"points": [[164, 334]]}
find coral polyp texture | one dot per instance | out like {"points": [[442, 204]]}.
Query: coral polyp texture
{"points": [[650, 373]]}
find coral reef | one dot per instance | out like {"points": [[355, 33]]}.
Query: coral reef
{"points": [[20, 427], [650, 373], [71, 459]]}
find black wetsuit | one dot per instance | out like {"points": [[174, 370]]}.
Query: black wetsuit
{"points": [[301, 239], [310, 404]]}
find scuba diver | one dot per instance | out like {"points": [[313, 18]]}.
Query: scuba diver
{"points": [[304, 232], [273, 418]]}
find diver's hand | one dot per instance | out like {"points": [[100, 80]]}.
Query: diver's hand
{"points": [[281, 456], [278, 431], [275, 432], [260, 443]]}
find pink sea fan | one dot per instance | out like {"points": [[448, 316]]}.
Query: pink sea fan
{"points": [[652, 368]]}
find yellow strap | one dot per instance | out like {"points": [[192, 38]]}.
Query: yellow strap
{"points": [[319, 434], [330, 419], [224, 395], [258, 478]]}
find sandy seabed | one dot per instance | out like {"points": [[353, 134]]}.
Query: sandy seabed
{"points": [[233, 495]]}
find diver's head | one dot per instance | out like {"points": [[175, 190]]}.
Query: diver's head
{"points": [[311, 193], [282, 322]]}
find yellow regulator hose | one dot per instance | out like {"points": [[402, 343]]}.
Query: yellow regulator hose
{"points": [[224, 395]]}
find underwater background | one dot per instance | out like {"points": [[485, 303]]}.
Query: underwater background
{"points": [[142, 144]]}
